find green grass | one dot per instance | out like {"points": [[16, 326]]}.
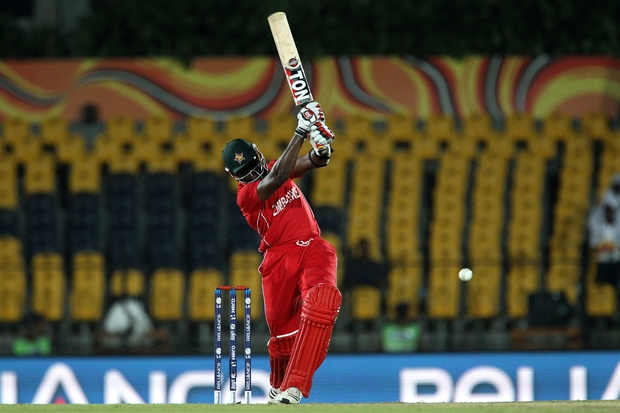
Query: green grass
{"points": [[529, 407]]}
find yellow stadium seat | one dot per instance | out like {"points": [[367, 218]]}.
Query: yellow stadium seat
{"points": [[483, 291], [600, 298], [40, 176], [564, 276], [54, 131], [8, 184], [73, 150], [85, 176], [281, 127], [440, 127], [158, 128], [241, 127], [522, 281], [162, 163], [596, 125], [201, 129], [121, 129], [15, 130], [12, 294], [250, 277], [444, 289], [201, 298], [186, 150], [400, 127], [358, 128], [87, 286], [425, 149], [558, 127], [365, 303], [478, 126], [124, 163], [329, 185], [167, 294], [244, 272], [48, 286], [520, 127], [27, 150], [127, 281], [499, 147], [404, 284]]}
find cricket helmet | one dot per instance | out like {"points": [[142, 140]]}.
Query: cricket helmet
{"points": [[243, 161]]}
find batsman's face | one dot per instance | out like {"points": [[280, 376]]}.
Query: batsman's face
{"points": [[254, 170]]}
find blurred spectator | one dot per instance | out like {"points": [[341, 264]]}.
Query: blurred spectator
{"points": [[611, 197], [362, 269], [401, 335], [89, 125], [605, 243], [128, 325], [612, 194], [34, 339]]}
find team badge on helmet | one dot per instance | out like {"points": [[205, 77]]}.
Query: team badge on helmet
{"points": [[239, 157]]}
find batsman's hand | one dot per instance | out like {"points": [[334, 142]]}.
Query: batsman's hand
{"points": [[308, 116], [321, 137]]}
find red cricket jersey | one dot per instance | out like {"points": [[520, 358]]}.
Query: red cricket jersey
{"points": [[284, 217]]}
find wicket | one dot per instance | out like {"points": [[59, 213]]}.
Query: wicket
{"points": [[247, 348]]}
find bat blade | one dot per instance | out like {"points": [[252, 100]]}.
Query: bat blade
{"points": [[289, 57]]}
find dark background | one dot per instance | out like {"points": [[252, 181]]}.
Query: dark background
{"points": [[188, 28]]}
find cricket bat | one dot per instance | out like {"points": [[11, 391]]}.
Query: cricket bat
{"points": [[289, 56]]}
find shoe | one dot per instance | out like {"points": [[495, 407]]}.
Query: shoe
{"points": [[273, 393], [292, 395]]}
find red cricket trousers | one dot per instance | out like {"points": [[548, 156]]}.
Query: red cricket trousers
{"points": [[289, 272]]}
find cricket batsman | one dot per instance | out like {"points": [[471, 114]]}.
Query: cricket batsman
{"points": [[299, 267]]}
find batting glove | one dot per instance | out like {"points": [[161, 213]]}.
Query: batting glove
{"points": [[308, 116], [321, 137]]}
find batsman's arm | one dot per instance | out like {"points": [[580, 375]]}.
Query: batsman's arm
{"points": [[309, 162], [281, 170]]}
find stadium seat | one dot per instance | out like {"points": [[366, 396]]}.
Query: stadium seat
{"points": [[8, 184], [158, 128], [201, 129], [400, 128], [167, 294], [48, 286], [40, 176], [87, 287], [85, 176], [329, 185], [483, 291], [366, 303], [15, 130], [558, 127], [128, 281], [478, 126], [13, 292], [54, 131], [596, 126], [440, 128], [73, 150], [241, 127], [444, 289], [201, 293], [520, 127], [404, 284], [121, 129], [523, 280], [600, 299]]}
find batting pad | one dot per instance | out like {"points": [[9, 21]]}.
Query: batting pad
{"points": [[280, 349], [318, 315]]}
